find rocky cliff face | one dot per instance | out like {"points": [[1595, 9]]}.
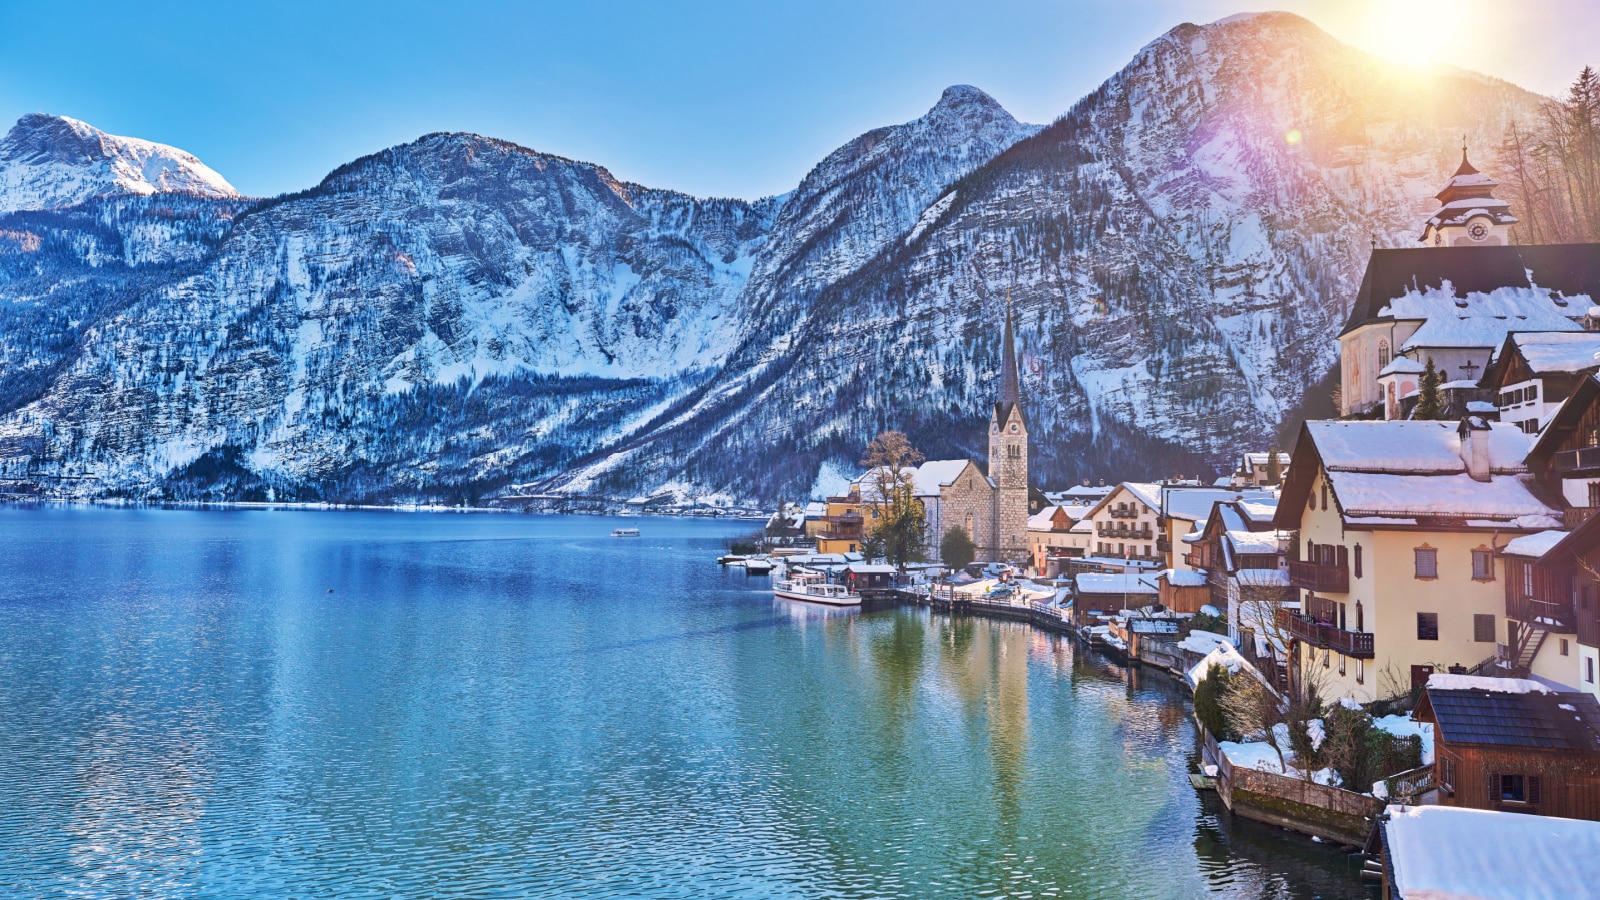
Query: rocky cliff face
{"points": [[459, 315]]}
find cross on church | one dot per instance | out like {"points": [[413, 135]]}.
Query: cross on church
{"points": [[1470, 368]]}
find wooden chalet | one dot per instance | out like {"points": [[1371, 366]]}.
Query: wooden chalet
{"points": [[1566, 457], [867, 579], [1534, 372], [1514, 745]]}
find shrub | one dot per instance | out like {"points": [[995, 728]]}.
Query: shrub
{"points": [[1208, 703]]}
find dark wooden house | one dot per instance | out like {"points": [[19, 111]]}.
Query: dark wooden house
{"points": [[1511, 745]]}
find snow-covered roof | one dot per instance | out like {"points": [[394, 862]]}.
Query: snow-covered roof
{"points": [[1124, 562], [936, 473], [1262, 577], [1481, 407], [1122, 583], [1259, 510], [1403, 365], [1043, 520], [1481, 319], [1364, 494], [1082, 526], [1405, 446], [1443, 681], [1194, 504], [1451, 851], [1253, 542], [1180, 578], [1076, 511], [1534, 545], [1559, 352], [1203, 642], [816, 510], [1148, 494], [869, 569]]}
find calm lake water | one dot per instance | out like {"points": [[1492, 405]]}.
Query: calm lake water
{"points": [[364, 704]]}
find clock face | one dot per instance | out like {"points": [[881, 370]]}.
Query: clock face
{"points": [[1015, 428], [1477, 231]]}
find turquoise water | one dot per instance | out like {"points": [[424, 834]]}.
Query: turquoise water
{"points": [[366, 704]]}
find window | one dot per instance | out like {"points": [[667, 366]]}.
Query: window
{"points": [[1358, 560], [1361, 621], [1427, 560], [1588, 669], [1483, 628], [1565, 647], [1383, 354], [1427, 626], [1594, 493], [1513, 789], [1527, 578], [1532, 392], [1483, 565], [1324, 497], [1447, 777]]}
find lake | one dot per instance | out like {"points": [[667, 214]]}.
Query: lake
{"points": [[285, 703]]}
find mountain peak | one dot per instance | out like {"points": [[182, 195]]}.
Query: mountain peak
{"points": [[963, 95], [49, 161]]}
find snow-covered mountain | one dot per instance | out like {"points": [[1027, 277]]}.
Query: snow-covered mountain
{"points": [[53, 161], [459, 315]]}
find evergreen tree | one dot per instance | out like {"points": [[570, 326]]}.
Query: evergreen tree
{"points": [[1428, 407], [957, 549], [1274, 469]]}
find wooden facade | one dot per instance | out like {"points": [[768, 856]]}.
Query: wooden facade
{"points": [[1535, 753]]}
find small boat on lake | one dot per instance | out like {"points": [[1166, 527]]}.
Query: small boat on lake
{"points": [[758, 566], [812, 587], [625, 532], [731, 559]]}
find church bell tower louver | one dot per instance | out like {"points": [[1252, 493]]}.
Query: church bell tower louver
{"points": [[1008, 458]]}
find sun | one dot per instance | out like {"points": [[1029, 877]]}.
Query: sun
{"points": [[1415, 32]]}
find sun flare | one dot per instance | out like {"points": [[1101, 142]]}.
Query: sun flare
{"points": [[1415, 32]]}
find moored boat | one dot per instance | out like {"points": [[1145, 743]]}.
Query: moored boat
{"points": [[731, 559], [758, 566], [625, 532], [811, 587]]}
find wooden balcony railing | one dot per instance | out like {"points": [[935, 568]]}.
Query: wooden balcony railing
{"points": [[1579, 460], [1589, 627], [1319, 577], [1573, 516], [1324, 636], [1549, 615]]}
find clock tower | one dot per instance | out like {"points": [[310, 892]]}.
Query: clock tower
{"points": [[1469, 215], [1008, 458]]}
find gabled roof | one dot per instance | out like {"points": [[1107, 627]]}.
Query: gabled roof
{"points": [[1438, 852], [1540, 719], [1566, 418], [1148, 494], [1405, 446], [1569, 269]]}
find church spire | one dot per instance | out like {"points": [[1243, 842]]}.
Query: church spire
{"points": [[1010, 391]]}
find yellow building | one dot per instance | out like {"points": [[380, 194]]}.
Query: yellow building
{"points": [[1396, 529], [844, 527]]}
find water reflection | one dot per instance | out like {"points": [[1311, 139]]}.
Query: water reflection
{"points": [[186, 711]]}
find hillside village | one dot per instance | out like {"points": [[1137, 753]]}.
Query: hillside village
{"points": [[1429, 561]]}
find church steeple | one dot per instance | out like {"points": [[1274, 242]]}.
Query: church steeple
{"points": [[1010, 387], [1469, 215]]}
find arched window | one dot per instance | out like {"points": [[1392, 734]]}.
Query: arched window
{"points": [[1383, 354]]}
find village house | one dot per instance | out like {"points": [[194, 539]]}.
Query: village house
{"points": [[1080, 495], [844, 523], [1184, 511], [1514, 745], [1244, 557], [1455, 300], [1396, 529], [1054, 536], [1255, 470], [1126, 523], [1534, 373]]}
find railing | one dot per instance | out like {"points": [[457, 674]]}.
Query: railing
{"points": [[1550, 616], [1589, 627], [1194, 560], [1117, 513], [1324, 636], [1573, 516], [1163, 545], [1577, 460], [1319, 577]]}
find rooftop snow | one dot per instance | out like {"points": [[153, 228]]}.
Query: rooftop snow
{"points": [[1481, 319], [1403, 364], [1377, 494], [1194, 505], [1125, 583], [1411, 447], [1447, 852], [1148, 494], [1440, 681], [1534, 545], [1253, 541], [1259, 510], [1559, 353], [1043, 520], [1178, 578]]}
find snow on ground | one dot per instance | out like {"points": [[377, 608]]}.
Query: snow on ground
{"points": [[1203, 642], [1405, 726], [1260, 756]]}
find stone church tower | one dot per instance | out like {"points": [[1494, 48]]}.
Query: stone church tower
{"points": [[1008, 461]]}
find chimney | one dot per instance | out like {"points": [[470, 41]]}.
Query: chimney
{"points": [[1474, 432]]}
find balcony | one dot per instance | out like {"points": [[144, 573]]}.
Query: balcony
{"points": [[1319, 577], [1583, 459], [1589, 627], [1195, 560], [1120, 513], [1573, 516], [1551, 616], [1163, 545], [1324, 636]]}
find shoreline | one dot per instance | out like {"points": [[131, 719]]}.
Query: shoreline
{"points": [[328, 506]]}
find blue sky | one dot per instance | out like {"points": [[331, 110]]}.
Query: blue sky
{"points": [[715, 98]]}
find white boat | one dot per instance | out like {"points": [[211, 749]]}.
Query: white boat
{"points": [[758, 566], [812, 587], [625, 532], [731, 559]]}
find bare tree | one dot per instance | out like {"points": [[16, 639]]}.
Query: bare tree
{"points": [[898, 530]]}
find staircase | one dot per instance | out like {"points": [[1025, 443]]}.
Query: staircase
{"points": [[1529, 640]]}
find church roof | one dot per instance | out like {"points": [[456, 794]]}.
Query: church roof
{"points": [[1567, 269], [1010, 384]]}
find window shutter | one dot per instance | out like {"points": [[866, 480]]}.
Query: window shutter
{"points": [[1344, 556], [1493, 786], [1358, 560], [1535, 789]]}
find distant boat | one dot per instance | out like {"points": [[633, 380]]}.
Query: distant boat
{"points": [[812, 588], [731, 559], [625, 532], [758, 566]]}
